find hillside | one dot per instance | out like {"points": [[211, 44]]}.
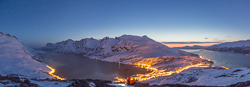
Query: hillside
{"points": [[16, 58], [242, 46], [19, 64], [209, 76]]}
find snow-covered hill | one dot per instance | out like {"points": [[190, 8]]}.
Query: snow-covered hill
{"points": [[69, 46], [235, 44], [19, 63], [242, 46], [210, 76], [125, 49], [16, 58]]}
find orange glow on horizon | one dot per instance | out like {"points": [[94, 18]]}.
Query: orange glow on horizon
{"points": [[182, 45]]}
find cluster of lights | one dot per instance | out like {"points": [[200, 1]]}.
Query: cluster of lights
{"points": [[157, 73], [205, 58], [52, 73], [224, 67], [146, 66]]}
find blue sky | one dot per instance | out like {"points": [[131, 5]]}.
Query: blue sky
{"points": [[37, 22]]}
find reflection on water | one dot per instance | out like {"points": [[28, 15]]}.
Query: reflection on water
{"points": [[72, 66], [227, 59]]}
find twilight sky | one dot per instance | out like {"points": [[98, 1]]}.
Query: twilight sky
{"points": [[37, 22]]}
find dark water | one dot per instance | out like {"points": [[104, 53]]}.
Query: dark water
{"points": [[227, 59], [72, 66]]}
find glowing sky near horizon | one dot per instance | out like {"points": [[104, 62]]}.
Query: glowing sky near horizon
{"points": [[182, 45], [37, 22]]}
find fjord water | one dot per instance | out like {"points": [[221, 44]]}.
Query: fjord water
{"points": [[71, 66], [227, 59]]}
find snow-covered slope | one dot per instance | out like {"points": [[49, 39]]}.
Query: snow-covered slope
{"points": [[69, 46], [210, 76], [235, 44], [125, 49], [19, 64], [16, 58], [242, 46]]}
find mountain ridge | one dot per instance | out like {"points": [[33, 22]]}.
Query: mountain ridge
{"points": [[242, 46], [125, 47]]}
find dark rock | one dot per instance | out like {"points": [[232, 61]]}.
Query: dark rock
{"points": [[47, 79], [240, 84], [7, 34], [33, 78], [24, 85], [237, 70], [82, 83], [27, 81], [100, 83], [142, 85], [191, 79]]}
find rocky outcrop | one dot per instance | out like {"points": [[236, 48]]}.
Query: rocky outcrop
{"points": [[21, 82]]}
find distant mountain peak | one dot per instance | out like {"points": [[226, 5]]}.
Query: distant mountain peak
{"points": [[69, 40], [242, 46]]}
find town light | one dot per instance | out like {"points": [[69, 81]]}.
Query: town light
{"points": [[52, 73], [157, 73]]}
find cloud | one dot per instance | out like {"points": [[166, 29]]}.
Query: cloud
{"points": [[188, 42], [206, 38]]}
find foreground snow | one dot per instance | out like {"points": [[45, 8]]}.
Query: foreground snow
{"points": [[211, 76]]}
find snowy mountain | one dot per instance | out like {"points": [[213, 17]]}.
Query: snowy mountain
{"points": [[17, 58], [190, 47], [242, 46], [125, 49], [69, 46], [19, 64]]}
